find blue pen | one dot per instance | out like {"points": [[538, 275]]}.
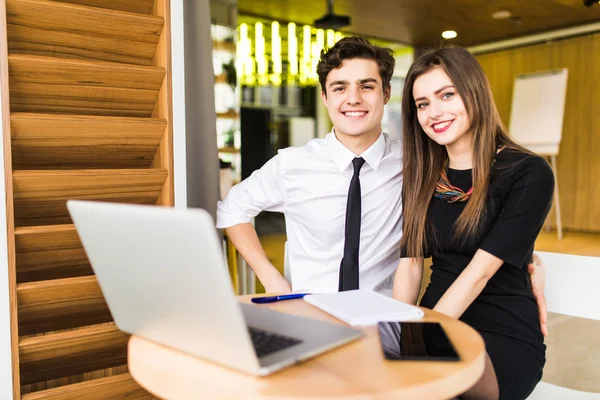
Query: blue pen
{"points": [[272, 299]]}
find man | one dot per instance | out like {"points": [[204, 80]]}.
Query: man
{"points": [[312, 186]]}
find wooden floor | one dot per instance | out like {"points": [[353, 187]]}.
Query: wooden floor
{"points": [[573, 355]]}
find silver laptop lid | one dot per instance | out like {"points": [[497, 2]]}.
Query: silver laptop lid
{"points": [[164, 278]]}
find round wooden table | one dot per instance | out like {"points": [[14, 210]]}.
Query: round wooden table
{"points": [[353, 371]]}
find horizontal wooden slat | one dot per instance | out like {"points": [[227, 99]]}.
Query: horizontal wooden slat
{"points": [[73, 352], [113, 387], [49, 252], [135, 6], [40, 196], [65, 30], [83, 107], [79, 183], [92, 100], [60, 304], [55, 15], [64, 72], [70, 141], [23, 40]]}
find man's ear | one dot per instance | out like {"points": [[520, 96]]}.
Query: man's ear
{"points": [[324, 97], [387, 94]]}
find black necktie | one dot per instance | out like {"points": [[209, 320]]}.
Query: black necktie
{"points": [[349, 266]]}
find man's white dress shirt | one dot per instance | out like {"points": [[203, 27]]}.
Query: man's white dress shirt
{"points": [[309, 185]]}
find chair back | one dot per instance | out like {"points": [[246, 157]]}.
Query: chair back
{"points": [[287, 272], [572, 284], [571, 289]]}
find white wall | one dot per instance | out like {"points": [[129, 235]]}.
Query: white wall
{"points": [[178, 89]]}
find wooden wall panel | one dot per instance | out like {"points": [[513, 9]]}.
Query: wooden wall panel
{"points": [[10, 217], [579, 155], [162, 108], [77, 57]]}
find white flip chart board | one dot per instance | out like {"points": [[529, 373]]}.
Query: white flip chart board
{"points": [[537, 112]]}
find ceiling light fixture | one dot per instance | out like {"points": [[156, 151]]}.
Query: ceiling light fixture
{"points": [[332, 20], [449, 34]]}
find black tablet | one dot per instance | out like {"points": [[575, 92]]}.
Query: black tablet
{"points": [[425, 341]]}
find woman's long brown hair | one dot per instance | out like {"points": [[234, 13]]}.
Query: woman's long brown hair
{"points": [[424, 159]]}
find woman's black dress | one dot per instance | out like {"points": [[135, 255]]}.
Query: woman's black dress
{"points": [[505, 313]]}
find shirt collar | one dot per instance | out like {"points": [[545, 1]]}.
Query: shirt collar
{"points": [[343, 156]]}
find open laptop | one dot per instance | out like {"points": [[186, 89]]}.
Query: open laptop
{"points": [[163, 275]]}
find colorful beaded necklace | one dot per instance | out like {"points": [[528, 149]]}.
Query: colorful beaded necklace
{"points": [[444, 190]]}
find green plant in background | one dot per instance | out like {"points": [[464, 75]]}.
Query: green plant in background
{"points": [[230, 74], [229, 137]]}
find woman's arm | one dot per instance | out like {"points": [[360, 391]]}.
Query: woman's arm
{"points": [[407, 280], [510, 239], [469, 284]]}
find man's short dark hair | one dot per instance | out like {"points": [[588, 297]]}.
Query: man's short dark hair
{"points": [[356, 47]]}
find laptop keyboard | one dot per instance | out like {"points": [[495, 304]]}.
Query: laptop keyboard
{"points": [[268, 342]]}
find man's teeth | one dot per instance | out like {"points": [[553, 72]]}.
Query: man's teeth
{"points": [[442, 125], [355, 113]]}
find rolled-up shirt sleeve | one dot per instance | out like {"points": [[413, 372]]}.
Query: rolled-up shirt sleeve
{"points": [[261, 191]]}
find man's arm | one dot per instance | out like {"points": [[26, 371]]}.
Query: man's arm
{"points": [[244, 238], [261, 191]]}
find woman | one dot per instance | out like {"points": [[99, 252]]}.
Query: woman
{"points": [[476, 204]]}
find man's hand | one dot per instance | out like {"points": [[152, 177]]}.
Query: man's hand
{"points": [[537, 272], [277, 284]]}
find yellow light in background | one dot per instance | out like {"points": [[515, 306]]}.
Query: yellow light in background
{"points": [[276, 53], [305, 63], [243, 33], [259, 54], [292, 50], [250, 69], [239, 58], [320, 39], [244, 54], [306, 36], [330, 38], [261, 63], [259, 39], [241, 51], [317, 46], [275, 43]]}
